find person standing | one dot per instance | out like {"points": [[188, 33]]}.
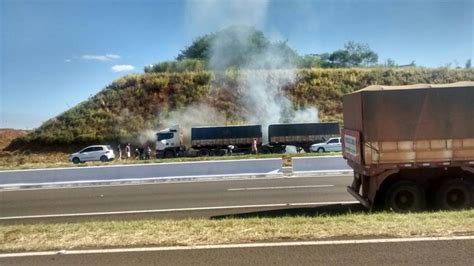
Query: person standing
{"points": [[148, 152], [119, 152], [127, 151], [254, 146]]}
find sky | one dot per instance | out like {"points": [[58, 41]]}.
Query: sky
{"points": [[58, 53]]}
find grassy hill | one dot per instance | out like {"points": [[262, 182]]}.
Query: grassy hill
{"points": [[135, 103]]}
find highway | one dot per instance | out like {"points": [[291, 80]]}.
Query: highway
{"points": [[174, 200], [398, 252]]}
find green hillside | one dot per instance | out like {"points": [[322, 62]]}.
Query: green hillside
{"points": [[135, 103]]}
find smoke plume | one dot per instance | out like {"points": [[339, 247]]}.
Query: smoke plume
{"points": [[194, 115], [262, 79]]}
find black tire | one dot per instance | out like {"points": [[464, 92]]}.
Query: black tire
{"points": [[76, 160], [204, 152], [454, 195], [169, 154], [405, 196], [321, 149], [103, 158], [266, 150]]}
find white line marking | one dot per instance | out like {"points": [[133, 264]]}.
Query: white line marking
{"points": [[270, 188], [247, 245], [178, 210], [341, 171], [163, 178], [168, 181]]}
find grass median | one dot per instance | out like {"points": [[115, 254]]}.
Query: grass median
{"points": [[139, 233]]}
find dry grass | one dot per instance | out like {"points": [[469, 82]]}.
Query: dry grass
{"points": [[202, 231], [9, 134]]}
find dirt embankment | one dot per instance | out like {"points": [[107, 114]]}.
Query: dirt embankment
{"points": [[9, 134]]}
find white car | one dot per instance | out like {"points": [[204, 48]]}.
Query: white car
{"points": [[101, 153], [333, 144]]}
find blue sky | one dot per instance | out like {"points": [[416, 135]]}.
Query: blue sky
{"points": [[57, 53]]}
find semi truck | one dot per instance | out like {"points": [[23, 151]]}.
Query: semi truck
{"points": [[411, 147], [217, 140], [302, 135], [205, 141]]}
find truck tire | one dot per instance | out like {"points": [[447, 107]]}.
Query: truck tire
{"points": [[169, 154], [454, 195], [266, 150], [204, 152], [405, 196]]}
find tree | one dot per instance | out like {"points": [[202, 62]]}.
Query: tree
{"points": [[199, 49], [353, 55], [237, 47], [340, 58], [390, 63]]}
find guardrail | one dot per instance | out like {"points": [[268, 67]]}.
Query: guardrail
{"points": [[191, 170], [303, 165]]}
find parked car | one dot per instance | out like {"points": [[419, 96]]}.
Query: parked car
{"points": [[103, 153], [333, 144]]}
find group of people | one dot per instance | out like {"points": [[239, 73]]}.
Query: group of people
{"points": [[141, 153]]}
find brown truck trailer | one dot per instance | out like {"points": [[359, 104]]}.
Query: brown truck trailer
{"points": [[411, 147]]}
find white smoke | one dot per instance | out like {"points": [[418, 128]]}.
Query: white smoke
{"points": [[267, 73], [147, 136], [194, 115], [204, 16], [262, 96], [306, 115]]}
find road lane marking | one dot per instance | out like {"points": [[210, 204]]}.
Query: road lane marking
{"points": [[234, 246], [13, 188], [270, 188], [178, 210]]}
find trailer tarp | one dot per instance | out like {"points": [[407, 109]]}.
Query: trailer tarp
{"points": [[415, 112]]}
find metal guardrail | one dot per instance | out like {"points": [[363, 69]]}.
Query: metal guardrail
{"points": [[253, 167], [315, 164]]}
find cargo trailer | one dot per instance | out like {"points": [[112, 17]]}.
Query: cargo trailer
{"points": [[411, 147]]}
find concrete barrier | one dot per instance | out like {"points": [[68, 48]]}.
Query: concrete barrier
{"points": [[317, 164], [222, 168]]}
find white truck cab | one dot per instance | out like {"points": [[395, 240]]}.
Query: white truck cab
{"points": [[169, 142]]}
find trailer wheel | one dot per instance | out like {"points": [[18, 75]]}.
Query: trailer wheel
{"points": [[405, 196], [204, 152], [266, 150], [454, 195], [169, 154]]}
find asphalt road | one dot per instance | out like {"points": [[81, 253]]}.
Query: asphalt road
{"points": [[451, 252], [175, 200]]}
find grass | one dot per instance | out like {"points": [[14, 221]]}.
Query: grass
{"points": [[109, 234], [15, 160]]}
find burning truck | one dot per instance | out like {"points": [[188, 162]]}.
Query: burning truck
{"points": [[219, 140]]}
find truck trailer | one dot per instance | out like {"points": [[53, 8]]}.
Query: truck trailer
{"points": [[205, 141], [302, 135], [411, 147]]}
